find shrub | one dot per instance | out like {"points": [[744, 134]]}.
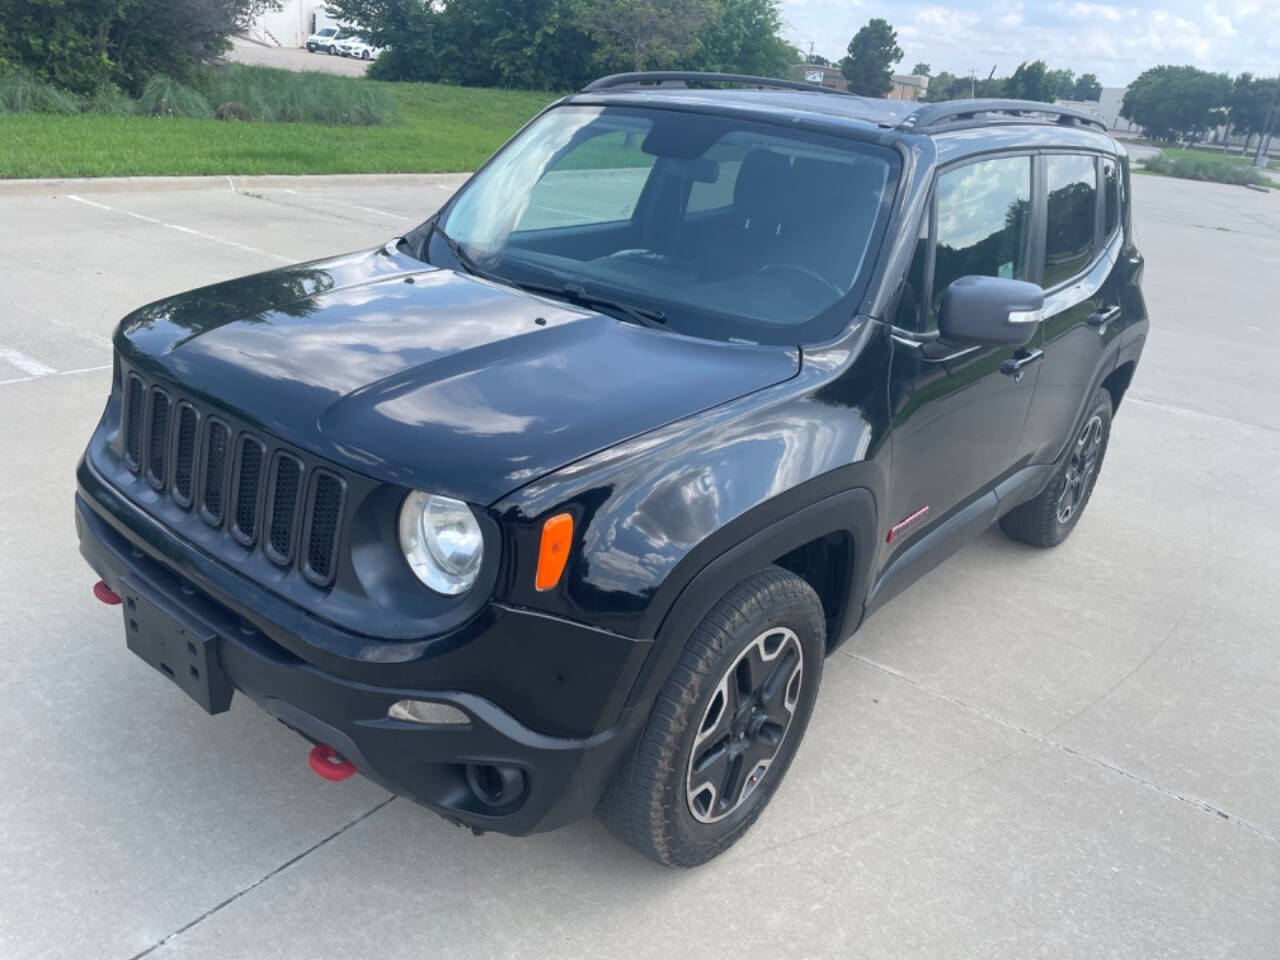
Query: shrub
{"points": [[1191, 167], [283, 95], [109, 99], [20, 92], [232, 111], [166, 97]]}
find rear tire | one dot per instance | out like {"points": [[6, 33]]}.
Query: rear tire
{"points": [[726, 724], [1049, 519]]}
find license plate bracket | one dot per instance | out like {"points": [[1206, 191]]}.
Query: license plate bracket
{"points": [[178, 645]]}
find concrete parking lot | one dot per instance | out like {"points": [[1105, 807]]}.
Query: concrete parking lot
{"points": [[294, 58], [1072, 753]]}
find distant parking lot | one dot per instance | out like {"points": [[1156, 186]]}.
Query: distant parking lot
{"points": [[294, 58], [1072, 753]]}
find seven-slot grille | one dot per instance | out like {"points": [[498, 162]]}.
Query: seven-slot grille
{"points": [[261, 495]]}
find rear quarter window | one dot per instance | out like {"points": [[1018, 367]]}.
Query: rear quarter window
{"points": [[1111, 202]]}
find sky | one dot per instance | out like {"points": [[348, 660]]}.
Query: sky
{"points": [[1116, 41]]}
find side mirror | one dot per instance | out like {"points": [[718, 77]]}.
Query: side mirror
{"points": [[992, 311]]}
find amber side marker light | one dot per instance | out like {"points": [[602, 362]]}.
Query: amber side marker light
{"points": [[553, 554]]}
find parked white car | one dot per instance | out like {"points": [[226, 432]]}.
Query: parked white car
{"points": [[326, 39], [358, 47]]}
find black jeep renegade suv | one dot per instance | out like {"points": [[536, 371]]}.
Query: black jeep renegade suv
{"points": [[557, 503]]}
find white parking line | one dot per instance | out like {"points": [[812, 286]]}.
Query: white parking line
{"points": [[381, 213], [181, 229], [25, 363], [54, 373]]}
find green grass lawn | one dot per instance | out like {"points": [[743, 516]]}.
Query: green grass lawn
{"points": [[1194, 164], [1231, 159], [440, 129]]}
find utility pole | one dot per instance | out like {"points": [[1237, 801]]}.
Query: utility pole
{"points": [[973, 83], [1264, 140]]}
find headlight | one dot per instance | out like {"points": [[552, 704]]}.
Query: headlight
{"points": [[442, 542]]}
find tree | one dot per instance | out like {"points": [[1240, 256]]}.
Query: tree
{"points": [[1173, 102], [635, 34], [1088, 87], [413, 32], [84, 44], [1030, 81], [1062, 83], [817, 60], [745, 37], [872, 53], [526, 44], [921, 70], [948, 86], [1247, 106]]}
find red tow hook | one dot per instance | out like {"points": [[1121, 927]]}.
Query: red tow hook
{"points": [[106, 594], [330, 764]]}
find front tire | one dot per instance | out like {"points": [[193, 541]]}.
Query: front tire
{"points": [[1049, 519], [726, 725]]}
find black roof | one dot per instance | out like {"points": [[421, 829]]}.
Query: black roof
{"points": [[793, 96]]}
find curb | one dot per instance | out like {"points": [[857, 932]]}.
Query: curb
{"points": [[56, 185]]}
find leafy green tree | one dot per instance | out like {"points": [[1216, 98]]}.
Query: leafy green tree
{"points": [[1088, 87], [83, 44], [526, 44], [1061, 82], [921, 70], [872, 53], [948, 86], [744, 36], [635, 34], [1247, 106], [1172, 102], [413, 31], [1030, 81], [817, 60]]}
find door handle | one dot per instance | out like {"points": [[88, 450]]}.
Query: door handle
{"points": [[1014, 366], [1103, 317]]}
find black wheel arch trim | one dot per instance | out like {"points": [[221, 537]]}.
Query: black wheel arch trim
{"points": [[851, 512]]}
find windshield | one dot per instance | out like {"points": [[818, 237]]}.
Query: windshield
{"points": [[723, 227]]}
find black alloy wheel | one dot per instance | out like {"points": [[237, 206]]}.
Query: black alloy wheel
{"points": [[744, 724], [726, 724], [1047, 519], [1081, 466]]}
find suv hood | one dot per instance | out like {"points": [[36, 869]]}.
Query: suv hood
{"points": [[429, 378]]}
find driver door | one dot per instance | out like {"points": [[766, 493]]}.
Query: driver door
{"points": [[958, 410]]}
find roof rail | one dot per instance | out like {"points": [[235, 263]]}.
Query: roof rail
{"points": [[933, 115], [653, 77]]}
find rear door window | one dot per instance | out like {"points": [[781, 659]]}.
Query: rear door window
{"points": [[1071, 213]]}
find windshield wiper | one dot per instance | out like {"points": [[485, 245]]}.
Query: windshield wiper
{"points": [[645, 316], [463, 258]]}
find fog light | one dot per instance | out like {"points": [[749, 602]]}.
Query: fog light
{"points": [[427, 711]]}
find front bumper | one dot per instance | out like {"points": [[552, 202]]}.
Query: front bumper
{"points": [[344, 703]]}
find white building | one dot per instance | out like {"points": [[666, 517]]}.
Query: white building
{"points": [[1106, 108], [291, 24]]}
